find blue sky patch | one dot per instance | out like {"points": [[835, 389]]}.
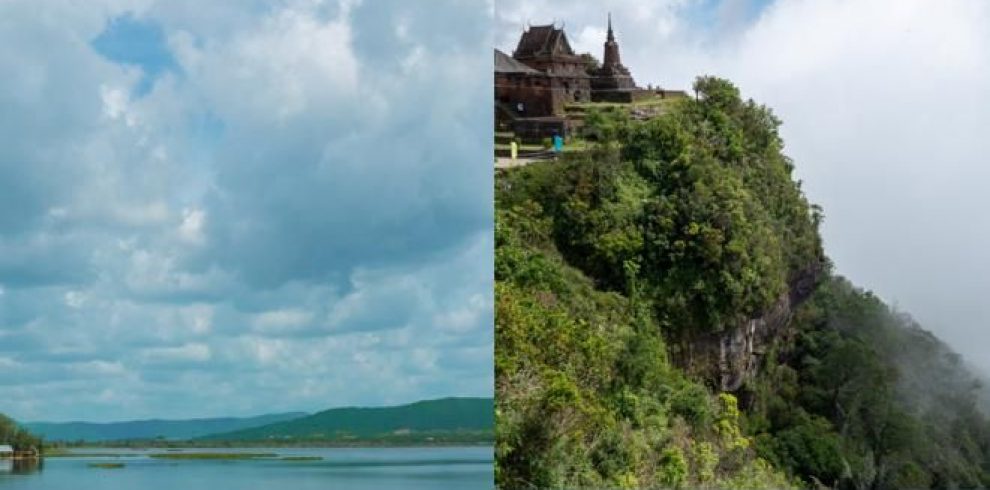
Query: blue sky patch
{"points": [[132, 41], [718, 15]]}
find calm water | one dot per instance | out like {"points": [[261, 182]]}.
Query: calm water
{"points": [[344, 469]]}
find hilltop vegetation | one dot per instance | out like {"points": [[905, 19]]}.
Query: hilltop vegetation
{"points": [[611, 267]]}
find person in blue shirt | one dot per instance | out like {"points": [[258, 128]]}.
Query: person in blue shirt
{"points": [[558, 143]]}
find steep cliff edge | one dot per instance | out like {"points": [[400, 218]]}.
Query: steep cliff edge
{"points": [[666, 317], [730, 358], [668, 232]]}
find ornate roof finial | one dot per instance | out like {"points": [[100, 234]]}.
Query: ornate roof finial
{"points": [[611, 37]]}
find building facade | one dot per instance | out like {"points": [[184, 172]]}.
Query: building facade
{"points": [[542, 75], [534, 86]]}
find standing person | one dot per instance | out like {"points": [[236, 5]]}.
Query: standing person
{"points": [[558, 143], [513, 150]]}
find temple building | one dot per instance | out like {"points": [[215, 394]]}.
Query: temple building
{"points": [[544, 75]]}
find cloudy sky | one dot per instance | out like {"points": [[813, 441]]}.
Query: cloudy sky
{"points": [[240, 207], [886, 110]]}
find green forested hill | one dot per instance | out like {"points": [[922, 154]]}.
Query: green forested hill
{"points": [[442, 419], [150, 429], [622, 271]]}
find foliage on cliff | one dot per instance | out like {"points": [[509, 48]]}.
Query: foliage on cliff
{"points": [[863, 397], [585, 395], [680, 224], [696, 210], [610, 261]]}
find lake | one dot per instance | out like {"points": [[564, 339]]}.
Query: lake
{"points": [[340, 468]]}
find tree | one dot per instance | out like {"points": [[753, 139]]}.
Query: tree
{"points": [[18, 438]]}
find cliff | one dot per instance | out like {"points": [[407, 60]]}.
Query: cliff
{"points": [[666, 317], [730, 358], [668, 233]]}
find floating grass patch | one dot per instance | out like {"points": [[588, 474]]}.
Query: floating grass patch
{"points": [[90, 455], [302, 458], [212, 455], [108, 466]]}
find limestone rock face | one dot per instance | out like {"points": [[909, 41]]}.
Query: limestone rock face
{"points": [[729, 358]]}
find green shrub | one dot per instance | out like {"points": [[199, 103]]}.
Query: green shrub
{"points": [[673, 468]]}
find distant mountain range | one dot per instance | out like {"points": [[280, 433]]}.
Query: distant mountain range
{"points": [[446, 419], [150, 429], [443, 419]]}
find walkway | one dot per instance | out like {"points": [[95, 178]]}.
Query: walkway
{"points": [[524, 159]]}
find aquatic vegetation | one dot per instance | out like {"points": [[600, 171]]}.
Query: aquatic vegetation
{"points": [[212, 455], [70, 454], [109, 466]]}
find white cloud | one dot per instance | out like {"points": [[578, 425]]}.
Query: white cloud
{"points": [[191, 228], [115, 103], [288, 64], [278, 199], [283, 319], [467, 318], [192, 352], [199, 318], [98, 368], [75, 299]]}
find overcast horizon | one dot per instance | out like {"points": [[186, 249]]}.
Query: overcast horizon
{"points": [[199, 216], [885, 112]]}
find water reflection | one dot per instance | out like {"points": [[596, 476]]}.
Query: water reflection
{"points": [[21, 466], [427, 468]]}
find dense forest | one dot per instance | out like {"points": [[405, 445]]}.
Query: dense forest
{"points": [[16, 436], [618, 268]]}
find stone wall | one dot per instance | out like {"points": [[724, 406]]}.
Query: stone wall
{"points": [[532, 91], [540, 95], [533, 130], [621, 96]]}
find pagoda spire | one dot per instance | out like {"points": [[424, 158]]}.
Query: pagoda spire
{"points": [[611, 58]]}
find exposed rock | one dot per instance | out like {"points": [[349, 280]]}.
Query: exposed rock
{"points": [[729, 358]]}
